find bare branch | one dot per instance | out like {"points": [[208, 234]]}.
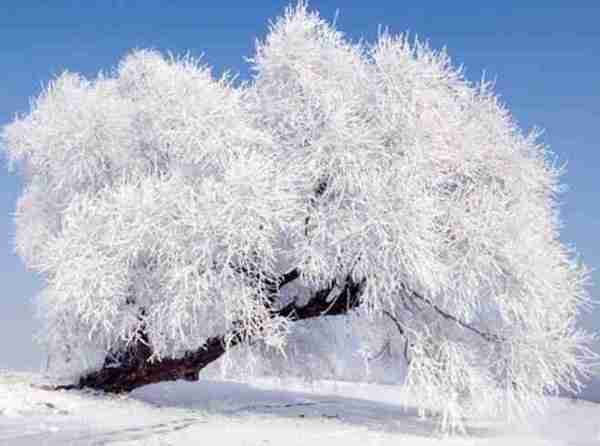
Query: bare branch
{"points": [[402, 333], [491, 337]]}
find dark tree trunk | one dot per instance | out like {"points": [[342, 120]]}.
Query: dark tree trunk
{"points": [[127, 376]]}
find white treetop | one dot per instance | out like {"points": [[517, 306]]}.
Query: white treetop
{"points": [[159, 200]]}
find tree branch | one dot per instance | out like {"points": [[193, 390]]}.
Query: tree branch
{"points": [[402, 333], [125, 378], [491, 337], [272, 286]]}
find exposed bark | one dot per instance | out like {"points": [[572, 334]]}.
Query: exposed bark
{"points": [[128, 376]]}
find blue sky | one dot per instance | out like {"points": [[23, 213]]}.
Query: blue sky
{"points": [[545, 57]]}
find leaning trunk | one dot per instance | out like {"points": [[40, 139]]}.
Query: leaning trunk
{"points": [[127, 376]]}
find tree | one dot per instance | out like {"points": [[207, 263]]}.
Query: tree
{"points": [[175, 216]]}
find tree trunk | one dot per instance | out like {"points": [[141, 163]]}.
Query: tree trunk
{"points": [[128, 376]]}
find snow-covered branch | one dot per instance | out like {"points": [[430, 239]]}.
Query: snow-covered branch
{"points": [[128, 376]]}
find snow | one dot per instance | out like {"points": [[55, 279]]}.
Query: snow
{"points": [[267, 412]]}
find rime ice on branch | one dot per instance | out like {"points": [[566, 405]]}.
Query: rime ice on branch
{"points": [[173, 214]]}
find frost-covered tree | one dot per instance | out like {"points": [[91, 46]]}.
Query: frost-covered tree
{"points": [[174, 216]]}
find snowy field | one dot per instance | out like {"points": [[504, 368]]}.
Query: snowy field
{"points": [[266, 413]]}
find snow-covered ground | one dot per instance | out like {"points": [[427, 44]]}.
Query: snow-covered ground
{"points": [[266, 413]]}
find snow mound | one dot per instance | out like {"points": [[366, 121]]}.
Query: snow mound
{"points": [[265, 412]]}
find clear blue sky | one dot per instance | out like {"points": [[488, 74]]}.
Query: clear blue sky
{"points": [[545, 56]]}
